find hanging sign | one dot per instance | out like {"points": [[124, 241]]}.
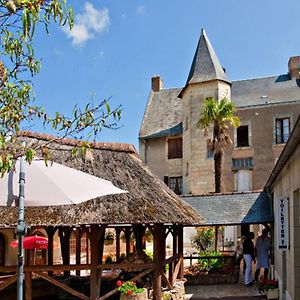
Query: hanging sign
{"points": [[283, 224]]}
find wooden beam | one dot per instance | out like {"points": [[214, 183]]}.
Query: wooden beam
{"points": [[139, 232], [166, 280], [118, 232], [127, 238], [123, 266], [159, 255], [64, 235], [78, 248], [137, 277], [50, 233], [28, 286], [8, 282], [94, 240], [180, 249], [62, 286], [177, 269]]}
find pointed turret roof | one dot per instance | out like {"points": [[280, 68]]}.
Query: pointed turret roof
{"points": [[205, 66]]}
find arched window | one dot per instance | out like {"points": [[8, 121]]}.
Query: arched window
{"points": [[2, 249]]}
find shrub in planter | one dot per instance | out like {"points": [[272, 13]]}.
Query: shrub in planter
{"points": [[210, 264], [130, 291]]}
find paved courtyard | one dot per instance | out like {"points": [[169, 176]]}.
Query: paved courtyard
{"points": [[223, 291]]}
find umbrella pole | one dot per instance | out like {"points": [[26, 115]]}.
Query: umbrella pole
{"points": [[21, 230]]}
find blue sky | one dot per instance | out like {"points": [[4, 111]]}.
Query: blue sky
{"points": [[117, 46]]}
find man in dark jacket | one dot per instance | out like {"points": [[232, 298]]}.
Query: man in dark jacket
{"points": [[248, 248]]}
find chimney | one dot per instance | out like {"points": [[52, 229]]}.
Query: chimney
{"points": [[156, 83], [294, 67]]}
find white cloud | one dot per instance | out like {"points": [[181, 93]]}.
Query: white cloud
{"points": [[87, 24], [141, 10]]}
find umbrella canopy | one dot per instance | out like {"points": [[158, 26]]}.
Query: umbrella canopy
{"points": [[32, 242], [53, 185]]}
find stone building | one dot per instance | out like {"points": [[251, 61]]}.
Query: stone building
{"points": [[174, 147], [284, 185]]}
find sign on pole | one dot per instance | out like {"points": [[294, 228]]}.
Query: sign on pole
{"points": [[283, 223]]}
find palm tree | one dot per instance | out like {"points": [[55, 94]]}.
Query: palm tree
{"points": [[218, 114]]}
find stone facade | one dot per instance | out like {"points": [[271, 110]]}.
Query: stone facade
{"points": [[287, 185], [259, 102]]}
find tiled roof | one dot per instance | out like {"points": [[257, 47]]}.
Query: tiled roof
{"points": [[232, 209]]}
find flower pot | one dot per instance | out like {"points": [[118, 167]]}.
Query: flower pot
{"points": [[141, 296], [273, 294]]}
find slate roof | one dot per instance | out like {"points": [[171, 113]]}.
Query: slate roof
{"points": [[164, 109], [233, 209], [167, 132], [267, 90], [205, 66]]}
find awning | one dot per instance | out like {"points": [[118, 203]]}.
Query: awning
{"points": [[233, 209]]}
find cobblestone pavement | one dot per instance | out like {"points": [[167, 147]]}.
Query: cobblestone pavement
{"points": [[223, 291]]}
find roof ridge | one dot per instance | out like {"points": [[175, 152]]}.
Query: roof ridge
{"points": [[121, 147], [258, 78]]}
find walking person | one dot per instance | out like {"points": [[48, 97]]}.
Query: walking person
{"points": [[248, 249], [263, 253]]}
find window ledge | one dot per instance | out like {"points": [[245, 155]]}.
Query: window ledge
{"points": [[242, 148]]}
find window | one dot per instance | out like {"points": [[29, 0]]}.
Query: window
{"points": [[282, 130], [242, 136], [209, 152], [175, 148], [242, 163], [243, 181], [174, 183]]}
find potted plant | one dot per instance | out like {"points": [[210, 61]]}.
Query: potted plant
{"points": [[129, 291], [269, 287]]}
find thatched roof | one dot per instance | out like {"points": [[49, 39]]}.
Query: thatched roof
{"points": [[148, 199]]}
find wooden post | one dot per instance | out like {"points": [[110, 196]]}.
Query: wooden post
{"points": [[216, 238], [180, 249], [64, 235], [50, 233], [118, 232], [139, 232], [101, 239], [78, 248], [172, 264], [97, 244], [159, 255], [94, 261], [127, 237], [28, 286]]}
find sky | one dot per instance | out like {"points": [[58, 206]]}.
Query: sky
{"points": [[116, 46]]}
